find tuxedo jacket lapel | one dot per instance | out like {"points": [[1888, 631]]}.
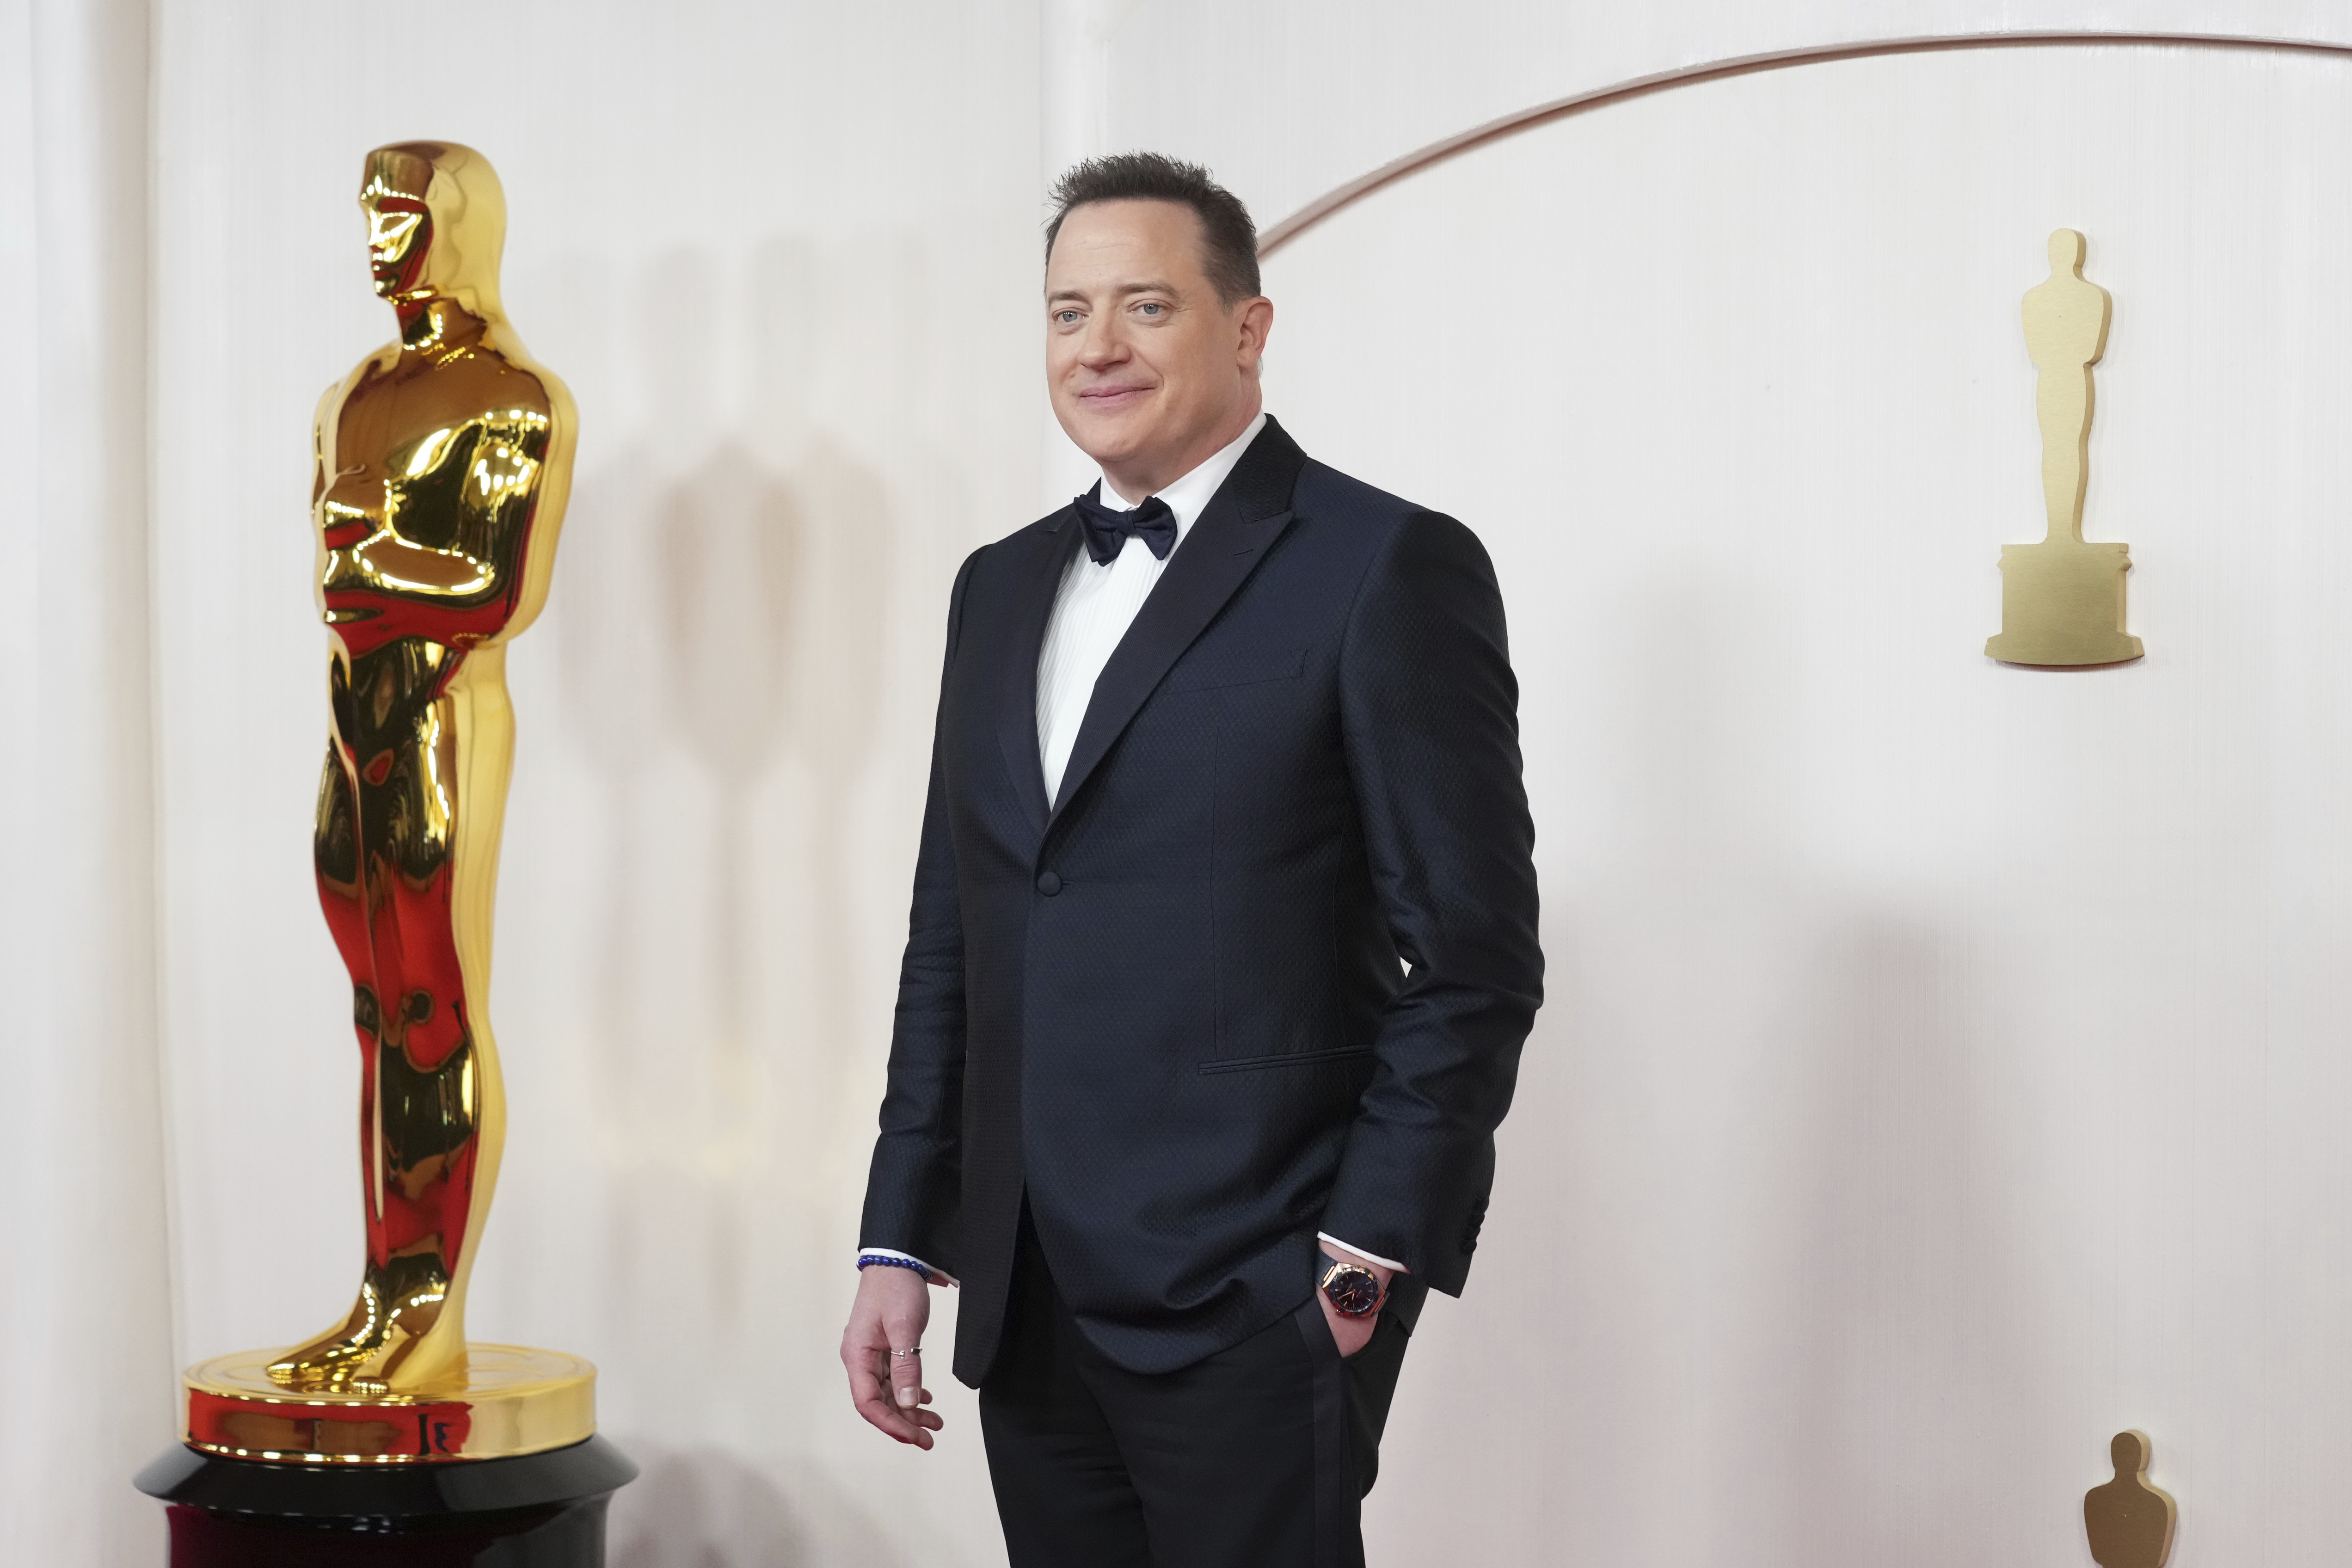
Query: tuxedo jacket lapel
{"points": [[1245, 518], [1035, 583]]}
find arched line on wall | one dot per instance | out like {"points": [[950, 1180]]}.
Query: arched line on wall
{"points": [[1436, 152]]}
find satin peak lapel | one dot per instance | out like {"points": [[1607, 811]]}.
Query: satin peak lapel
{"points": [[1035, 583], [1245, 516]]}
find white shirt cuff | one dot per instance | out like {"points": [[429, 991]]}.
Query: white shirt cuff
{"points": [[941, 1275], [1367, 1256]]}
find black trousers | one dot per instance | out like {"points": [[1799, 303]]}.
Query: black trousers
{"points": [[1256, 1458]]}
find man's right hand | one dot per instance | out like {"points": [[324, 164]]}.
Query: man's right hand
{"points": [[892, 1309]]}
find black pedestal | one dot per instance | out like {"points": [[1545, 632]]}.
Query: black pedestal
{"points": [[537, 1511]]}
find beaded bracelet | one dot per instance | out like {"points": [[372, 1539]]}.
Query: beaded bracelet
{"points": [[868, 1259]]}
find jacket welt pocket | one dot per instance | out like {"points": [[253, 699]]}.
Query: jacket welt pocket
{"points": [[1212, 677], [1286, 1059]]}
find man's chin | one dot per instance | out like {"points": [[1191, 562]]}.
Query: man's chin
{"points": [[1109, 438]]}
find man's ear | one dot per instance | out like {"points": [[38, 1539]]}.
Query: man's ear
{"points": [[1257, 325]]}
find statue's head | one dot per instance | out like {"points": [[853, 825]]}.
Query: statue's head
{"points": [[436, 222], [2130, 1452], [2066, 251]]}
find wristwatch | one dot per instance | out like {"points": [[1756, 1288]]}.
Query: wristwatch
{"points": [[1353, 1290]]}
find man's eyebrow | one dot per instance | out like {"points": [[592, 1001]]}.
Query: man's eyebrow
{"points": [[1149, 286]]}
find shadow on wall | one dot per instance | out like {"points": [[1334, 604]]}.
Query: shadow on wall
{"points": [[703, 1508], [1753, 1153], [1918, 1296], [724, 592], [1843, 1082]]}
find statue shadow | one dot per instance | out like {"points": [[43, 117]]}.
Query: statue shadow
{"points": [[721, 597], [737, 707]]}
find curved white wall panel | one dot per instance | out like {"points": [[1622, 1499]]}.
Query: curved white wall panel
{"points": [[1289, 101], [1944, 1068]]}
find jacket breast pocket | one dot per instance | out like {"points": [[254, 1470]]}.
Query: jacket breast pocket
{"points": [[1217, 673]]}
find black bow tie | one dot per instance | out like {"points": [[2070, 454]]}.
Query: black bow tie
{"points": [[1107, 528]]}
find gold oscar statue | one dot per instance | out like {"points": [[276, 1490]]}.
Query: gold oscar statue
{"points": [[2062, 601], [441, 465], [2129, 1521]]}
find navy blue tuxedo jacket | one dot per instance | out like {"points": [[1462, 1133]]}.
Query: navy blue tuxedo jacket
{"points": [[1171, 1009]]}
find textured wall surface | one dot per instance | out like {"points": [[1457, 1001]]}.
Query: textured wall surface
{"points": [[85, 1283], [1943, 1066]]}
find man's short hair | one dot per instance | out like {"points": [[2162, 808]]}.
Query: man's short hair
{"points": [[1229, 240]]}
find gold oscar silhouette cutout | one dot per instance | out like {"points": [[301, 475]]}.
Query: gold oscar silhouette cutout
{"points": [[441, 465], [2129, 1521], [2062, 601]]}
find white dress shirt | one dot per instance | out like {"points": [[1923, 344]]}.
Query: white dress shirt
{"points": [[1092, 610], [1096, 606]]}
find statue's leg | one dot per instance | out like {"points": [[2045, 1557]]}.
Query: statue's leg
{"points": [[2063, 402], [340, 1354], [422, 1097], [473, 748]]}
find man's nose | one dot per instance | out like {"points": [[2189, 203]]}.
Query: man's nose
{"points": [[1102, 345]]}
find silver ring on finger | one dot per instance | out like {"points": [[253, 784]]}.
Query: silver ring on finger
{"points": [[909, 1351]]}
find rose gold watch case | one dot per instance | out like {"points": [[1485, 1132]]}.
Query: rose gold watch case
{"points": [[1332, 1286]]}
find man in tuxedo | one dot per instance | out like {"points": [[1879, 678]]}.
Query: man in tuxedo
{"points": [[1223, 943]]}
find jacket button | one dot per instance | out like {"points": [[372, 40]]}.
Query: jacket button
{"points": [[1049, 884]]}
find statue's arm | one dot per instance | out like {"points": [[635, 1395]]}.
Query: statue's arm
{"points": [[505, 474], [384, 561], [497, 461], [331, 568], [322, 437], [399, 566]]}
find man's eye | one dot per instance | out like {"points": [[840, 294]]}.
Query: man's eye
{"points": [[1065, 318], [1151, 308]]}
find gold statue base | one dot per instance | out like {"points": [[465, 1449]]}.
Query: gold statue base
{"points": [[2062, 605], [513, 1401]]}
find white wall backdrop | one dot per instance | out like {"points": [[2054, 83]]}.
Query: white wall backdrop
{"points": [[1944, 1064], [1946, 1067], [85, 1300]]}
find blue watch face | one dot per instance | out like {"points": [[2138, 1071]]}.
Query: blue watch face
{"points": [[1353, 1291]]}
